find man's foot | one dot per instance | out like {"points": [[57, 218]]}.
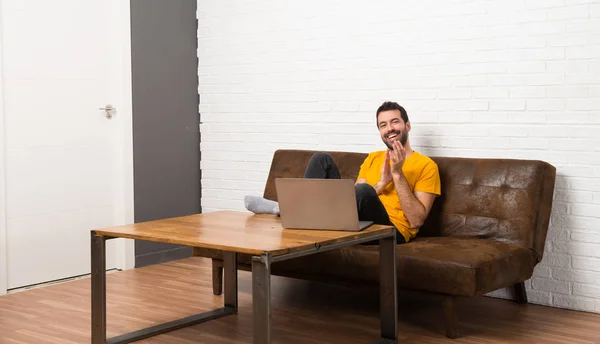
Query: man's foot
{"points": [[259, 205]]}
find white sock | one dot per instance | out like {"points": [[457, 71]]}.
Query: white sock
{"points": [[260, 205]]}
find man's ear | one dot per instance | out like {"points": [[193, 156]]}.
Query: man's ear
{"points": [[408, 126]]}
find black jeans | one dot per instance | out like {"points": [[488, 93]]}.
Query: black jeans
{"points": [[370, 208]]}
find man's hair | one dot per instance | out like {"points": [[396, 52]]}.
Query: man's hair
{"points": [[392, 106]]}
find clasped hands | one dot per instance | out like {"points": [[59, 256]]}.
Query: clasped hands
{"points": [[397, 156]]}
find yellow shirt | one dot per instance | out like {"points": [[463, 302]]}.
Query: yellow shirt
{"points": [[421, 173]]}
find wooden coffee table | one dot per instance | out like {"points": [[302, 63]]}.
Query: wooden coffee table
{"points": [[240, 232]]}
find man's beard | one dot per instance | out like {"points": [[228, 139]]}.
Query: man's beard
{"points": [[402, 138]]}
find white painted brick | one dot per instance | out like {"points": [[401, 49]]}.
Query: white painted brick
{"points": [[470, 81], [545, 104], [508, 131], [490, 117], [593, 65], [526, 42], [507, 105], [577, 249], [514, 79], [455, 94], [539, 297], [589, 237], [542, 271], [578, 78], [567, 66], [577, 222], [583, 263], [583, 104], [576, 170], [579, 276], [582, 25], [567, 92], [594, 9], [493, 93], [456, 143], [585, 184], [564, 118], [344, 107], [471, 105], [574, 145], [537, 4], [556, 234], [567, 40], [586, 290], [593, 118], [545, 131], [562, 182], [545, 79], [464, 117], [529, 143], [550, 285], [557, 260], [573, 196], [568, 12], [583, 132], [574, 303], [585, 158], [527, 92], [583, 52], [585, 210], [491, 143]]}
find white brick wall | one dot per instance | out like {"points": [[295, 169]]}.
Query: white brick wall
{"points": [[511, 79]]}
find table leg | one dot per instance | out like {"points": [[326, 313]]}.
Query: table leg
{"points": [[261, 298], [231, 280], [98, 260], [388, 291]]}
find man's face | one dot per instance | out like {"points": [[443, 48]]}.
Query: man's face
{"points": [[392, 128]]}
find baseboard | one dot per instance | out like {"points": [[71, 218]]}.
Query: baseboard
{"points": [[162, 256]]}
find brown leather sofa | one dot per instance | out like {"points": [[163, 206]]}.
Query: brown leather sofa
{"points": [[487, 231]]}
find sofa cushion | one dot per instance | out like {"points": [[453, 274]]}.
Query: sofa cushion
{"points": [[455, 266]]}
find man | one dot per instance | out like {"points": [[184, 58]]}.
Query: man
{"points": [[396, 186]]}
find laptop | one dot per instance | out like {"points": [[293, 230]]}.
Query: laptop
{"points": [[326, 204]]}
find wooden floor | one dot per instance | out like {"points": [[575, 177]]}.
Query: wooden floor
{"points": [[303, 312]]}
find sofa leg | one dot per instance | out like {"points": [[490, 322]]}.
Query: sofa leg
{"points": [[520, 293], [450, 316], [217, 276]]}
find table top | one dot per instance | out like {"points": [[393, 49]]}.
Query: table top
{"points": [[235, 231]]}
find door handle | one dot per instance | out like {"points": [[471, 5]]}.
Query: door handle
{"points": [[109, 110]]}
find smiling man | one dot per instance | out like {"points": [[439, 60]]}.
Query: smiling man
{"points": [[403, 183], [395, 186]]}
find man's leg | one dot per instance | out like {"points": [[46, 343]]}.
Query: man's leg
{"points": [[370, 208], [321, 166]]}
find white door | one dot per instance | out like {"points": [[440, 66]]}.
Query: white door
{"points": [[68, 167]]}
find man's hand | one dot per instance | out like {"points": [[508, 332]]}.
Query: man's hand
{"points": [[398, 156], [386, 171], [386, 174]]}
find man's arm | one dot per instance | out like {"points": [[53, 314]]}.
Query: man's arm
{"points": [[416, 206], [379, 186], [361, 181]]}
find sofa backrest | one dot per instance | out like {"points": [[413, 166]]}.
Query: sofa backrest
{"points": [[507, 200]]}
